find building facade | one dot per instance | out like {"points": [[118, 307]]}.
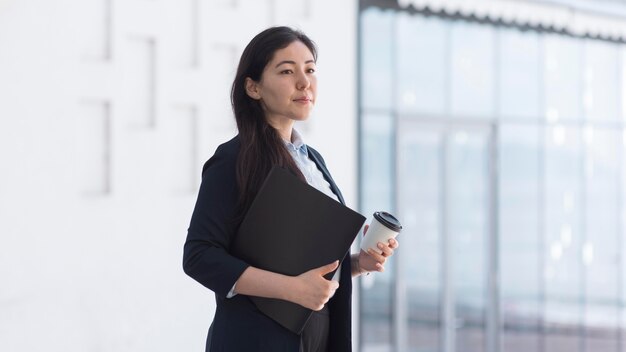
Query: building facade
{"points": [[498, 139]]}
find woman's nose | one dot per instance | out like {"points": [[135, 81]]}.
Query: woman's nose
{"points": [[303, 81]]}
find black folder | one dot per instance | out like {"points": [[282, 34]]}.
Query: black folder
{"points": [[291, 228]]}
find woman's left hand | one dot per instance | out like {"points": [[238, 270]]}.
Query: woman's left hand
{"points": [[372, 260]]}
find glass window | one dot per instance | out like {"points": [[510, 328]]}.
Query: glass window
{"points": [[377, 162], [561, 184], [377, 194], [472, 70], [520, 237], [420, 177], [563, 72], [467, 204], [520, 92], [376, 58], [601, 81], [421, 68], [563, 236], [600, 250]]}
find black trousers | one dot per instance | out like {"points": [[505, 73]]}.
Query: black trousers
{"points": [[314, 337]]}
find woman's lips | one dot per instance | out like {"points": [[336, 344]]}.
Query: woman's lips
{"points": [[303, 100]]}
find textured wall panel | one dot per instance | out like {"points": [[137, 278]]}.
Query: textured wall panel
{"points": [[139, 83], [224, 65], [290, 12], [96, 30], [181, 149], [119, 79], [184, 33], [93, 146], [226, 3]]}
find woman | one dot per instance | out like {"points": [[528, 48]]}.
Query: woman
{"points": [[275, 86]]}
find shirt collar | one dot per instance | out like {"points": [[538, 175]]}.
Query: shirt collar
{"points": [[297, 143]]}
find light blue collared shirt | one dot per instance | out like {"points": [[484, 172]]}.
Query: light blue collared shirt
{"points": [[313, 175]]}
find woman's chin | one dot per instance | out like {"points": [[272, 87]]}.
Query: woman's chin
{"points": [[300, 118]]}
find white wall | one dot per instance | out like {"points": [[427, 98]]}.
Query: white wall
{"points": [[108, 109]]}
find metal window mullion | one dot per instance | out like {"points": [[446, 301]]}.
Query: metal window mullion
{"points": [[493, 301], [359, 162], [448, 308], [620, 212], [619, 202], [542, 131], [541, 189], [400, 300], [448, 337], [620, 217], [481, 120], [583, 239], [582, 331], [399, 319]]}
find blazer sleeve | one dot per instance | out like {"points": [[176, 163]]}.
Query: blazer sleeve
{"points": [[206, 258]]}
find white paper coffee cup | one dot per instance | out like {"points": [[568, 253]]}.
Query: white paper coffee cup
{"points": [[383, 227]]}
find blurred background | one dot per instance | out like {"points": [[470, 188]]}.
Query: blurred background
{"points": [[493, 129]]}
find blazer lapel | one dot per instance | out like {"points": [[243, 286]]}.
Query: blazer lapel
{"points": [[320, 165]]}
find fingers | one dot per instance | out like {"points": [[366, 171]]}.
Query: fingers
{"points": [[380, 267], [379, 258], [387, 251], [329, 267], [365, 229], [317, 290], [328, 292], [375, 261]]}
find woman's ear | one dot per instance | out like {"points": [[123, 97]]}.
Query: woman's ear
{"points": [[252, 89]]}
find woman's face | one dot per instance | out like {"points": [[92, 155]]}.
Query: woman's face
{"points": [[288, 86]]}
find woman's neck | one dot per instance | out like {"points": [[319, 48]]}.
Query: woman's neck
{"points": [[283, 126]]}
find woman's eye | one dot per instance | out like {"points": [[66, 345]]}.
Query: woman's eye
{"points": [[311, 70], [284, 72]]}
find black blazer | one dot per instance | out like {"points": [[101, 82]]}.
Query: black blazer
{"points": [[238, 325]]}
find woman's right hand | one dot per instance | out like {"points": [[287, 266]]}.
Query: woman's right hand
{"points": [[312, 290]]}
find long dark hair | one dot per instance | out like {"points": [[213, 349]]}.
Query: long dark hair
{"points": [[261, 144]]}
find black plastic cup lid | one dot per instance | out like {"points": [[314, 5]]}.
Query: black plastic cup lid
{"points": [[388, 220]]}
